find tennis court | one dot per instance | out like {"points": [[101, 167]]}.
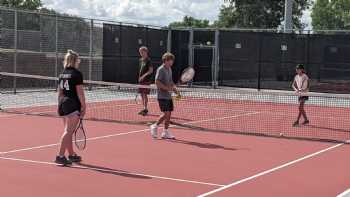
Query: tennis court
{"points": [[230, 142]]}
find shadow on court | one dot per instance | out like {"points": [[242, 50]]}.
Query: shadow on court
{"points": [[204, 145], [106, 170]]}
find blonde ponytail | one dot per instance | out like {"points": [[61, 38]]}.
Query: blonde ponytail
{"points": [[70, 59]]}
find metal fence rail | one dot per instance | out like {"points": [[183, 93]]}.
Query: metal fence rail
{"points": [[35, 43]]}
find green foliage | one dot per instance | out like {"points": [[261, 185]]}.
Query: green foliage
{"points": [[265, 14], [331, 15], [189, 21], [22, 4]]}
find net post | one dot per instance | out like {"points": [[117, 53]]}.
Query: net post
{"points": [[307, 50], [288, 16], [169, 40], [259, 61], [190, 48], [216, 59], [56, 48], [91, 50], [146, 41], [15, 50]]}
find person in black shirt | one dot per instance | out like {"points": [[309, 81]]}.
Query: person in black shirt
{"points": [[145, 78], [71, 105]]}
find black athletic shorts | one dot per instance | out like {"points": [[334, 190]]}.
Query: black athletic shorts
{"points": [[166, 105], [303, 98], [67, 106], [145, 90]]}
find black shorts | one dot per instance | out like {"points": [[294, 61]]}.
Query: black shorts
{"points": [[166, 105], [303, 98], [145, 90], [67, 106]]}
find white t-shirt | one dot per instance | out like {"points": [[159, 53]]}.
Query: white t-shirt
{"points": [[302, 82]]}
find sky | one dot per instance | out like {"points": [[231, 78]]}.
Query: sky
{"points": [[150, 12]]}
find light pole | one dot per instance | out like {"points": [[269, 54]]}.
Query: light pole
{"points": [[288, 16]]}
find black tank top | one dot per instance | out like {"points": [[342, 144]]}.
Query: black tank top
{"points": [[144, 66], [68, 81]]}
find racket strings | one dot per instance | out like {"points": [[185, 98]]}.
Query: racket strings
{"points": [[80, 137], [187, 75]]}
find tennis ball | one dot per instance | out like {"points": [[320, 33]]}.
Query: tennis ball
{"points": [[208, 43]]}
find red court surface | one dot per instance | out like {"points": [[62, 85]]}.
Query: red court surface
{"points": [[123, 160]]}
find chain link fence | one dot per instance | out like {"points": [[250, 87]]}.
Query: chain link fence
{"points": [[35, 43]]}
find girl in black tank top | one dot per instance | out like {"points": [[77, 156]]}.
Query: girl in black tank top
{"points": [[71, 105]]}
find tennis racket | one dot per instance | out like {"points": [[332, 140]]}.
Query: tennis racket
{"points": [[187, 75], [80, 136]]}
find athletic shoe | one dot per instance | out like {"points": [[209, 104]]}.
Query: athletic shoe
{"points": [[306, 122], [167, 135], [63, 161], [74, 158], [295, 124], [143, 112], [154, 132]]}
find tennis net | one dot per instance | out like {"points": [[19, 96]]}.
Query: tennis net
{"points": [[222, 110]]}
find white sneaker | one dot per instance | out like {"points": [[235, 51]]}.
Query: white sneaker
{"points": [[167, 135], [154, 132]]}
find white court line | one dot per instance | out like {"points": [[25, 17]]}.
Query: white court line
{"points": [[345, 194], [56, 144], [10, 115], [115, 171], [119, 134], [270, 170]]}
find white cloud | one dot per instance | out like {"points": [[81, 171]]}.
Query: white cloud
{"points": [[155, 12], [307, 19], [152, 12]]}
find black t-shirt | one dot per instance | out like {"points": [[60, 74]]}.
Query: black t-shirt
{"points": [[68, 81], [144, 66]]}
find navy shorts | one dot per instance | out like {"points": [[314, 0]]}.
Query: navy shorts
{"points": [[166, 105]]}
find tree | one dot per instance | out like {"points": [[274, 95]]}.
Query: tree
{"points": [[189, 21], [331, 15], [22, 4], [265, 14]]}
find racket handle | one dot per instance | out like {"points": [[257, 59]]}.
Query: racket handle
{"points": [[178, 96]]}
